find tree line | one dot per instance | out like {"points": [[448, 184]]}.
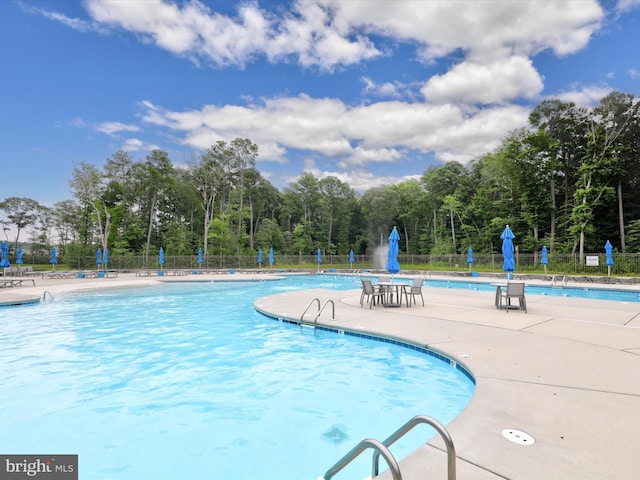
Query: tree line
{"points": [[568, 181]]}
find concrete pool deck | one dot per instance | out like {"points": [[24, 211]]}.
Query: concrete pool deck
{"points": [[567, 373]]}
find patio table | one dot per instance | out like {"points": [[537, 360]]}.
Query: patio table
{"points": [[391, 289]]}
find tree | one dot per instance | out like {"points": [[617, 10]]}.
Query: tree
{"points": [[335, 195], [206, 178], [440, 183], [411, 212], [243, 156], [452, 206], [307, 191], [560, 144], [261, 196], [621, 114], [603, 164], [380, 206], [158, 180], [67, 221], [88, 186], [21, 212]]}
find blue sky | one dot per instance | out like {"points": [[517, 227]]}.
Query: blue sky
{"points": [[371, 92]]}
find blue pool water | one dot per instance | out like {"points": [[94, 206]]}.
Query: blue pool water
{"points": [[187, 381], [612, 294]]}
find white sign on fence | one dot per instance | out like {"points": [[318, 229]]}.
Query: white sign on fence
{"points": [[592, 261]]}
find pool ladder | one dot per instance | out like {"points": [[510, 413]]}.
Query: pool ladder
{"points": [[382, 448], [565, 279], [320, 309]]}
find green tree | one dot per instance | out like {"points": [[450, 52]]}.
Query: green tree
{"points": [[558, 144], [303, 198], [157, 179], [600, 165], [243, 154], [206, 178], [89, 188], [335, 197], [21, 212]]}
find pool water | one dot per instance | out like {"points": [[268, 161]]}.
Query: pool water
{"points": [[187, 381], [594, 293]]}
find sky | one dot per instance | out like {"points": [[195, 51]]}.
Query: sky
{"points": [[372, 92]]}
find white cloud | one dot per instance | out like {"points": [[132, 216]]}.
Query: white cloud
{"points": [[471, 82], [585, 96], [634, 73], [77, 122], [626, 5], [331, 33], [353, 136], [480, 28], [74, 23], [465, 111], [383, 90], [113, 128], [359, 180], [135, 145], [194, 31]]}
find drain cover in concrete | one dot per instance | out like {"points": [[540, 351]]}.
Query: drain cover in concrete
{"points": [[516, 436]]}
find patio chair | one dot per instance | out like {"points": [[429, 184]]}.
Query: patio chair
{"points": [[513, 290], [414, 291], [383, 279], [371, 292]]}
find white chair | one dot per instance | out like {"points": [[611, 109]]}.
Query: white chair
{"points": [[513, 290]]}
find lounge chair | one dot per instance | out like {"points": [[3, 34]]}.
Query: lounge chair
{"points": [[371, 292], [414, 291], [513, 290]]}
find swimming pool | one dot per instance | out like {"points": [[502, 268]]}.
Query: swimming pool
{"points": [[188, 381], [594, 293]]}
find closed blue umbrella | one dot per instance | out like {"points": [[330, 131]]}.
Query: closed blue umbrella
{"points": [[99, 258], [470, 257], [4, 249], [608, 248], [319, 258], [351, 258], [53, 260], [161, 258], [271, 259], [544, 260], [200, 257], [507, 252], [106, 258], [260, 258], [392, 255], [19, 258]]}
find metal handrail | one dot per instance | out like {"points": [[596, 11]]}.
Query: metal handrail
{"points": [[333, 312], [378, 448], [44, 295], [320, 310], [418, 419], [309, 306]]}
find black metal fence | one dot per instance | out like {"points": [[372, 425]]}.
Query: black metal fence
{"points": [[624, 264]]}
